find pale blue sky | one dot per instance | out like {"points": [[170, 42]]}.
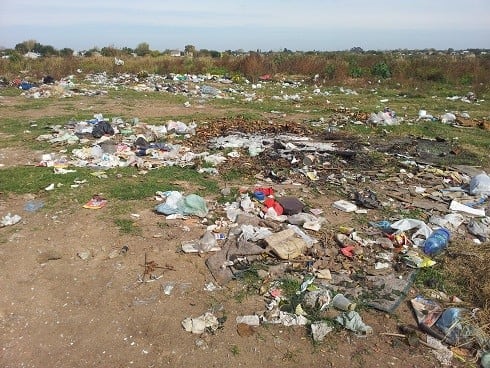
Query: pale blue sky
{"points": [[248, 24]]}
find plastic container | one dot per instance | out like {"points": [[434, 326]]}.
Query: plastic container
{"points": [[259, 195], [207, 242], [453, 323], [437, 241]]}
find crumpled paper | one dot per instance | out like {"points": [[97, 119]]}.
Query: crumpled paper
{"points": [[199, 324]]}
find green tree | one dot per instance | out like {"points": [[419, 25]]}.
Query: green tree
{"points": [[142, 49], [190, 50], [21, 48], [93, 51], [109, 51], [66, 52], [127, 50], [203, 53], [46, 50]]}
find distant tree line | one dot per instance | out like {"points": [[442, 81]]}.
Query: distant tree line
{"points": [[464, 67], [143, 49]]}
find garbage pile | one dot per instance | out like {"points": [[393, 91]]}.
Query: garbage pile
{"points": [[285, 243], [49, 87], [208, 86], [120, 143], [303, 265]]}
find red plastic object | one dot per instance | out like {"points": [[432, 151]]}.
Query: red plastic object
{"points": [[347, 251], [270, 202], [267, 191]]}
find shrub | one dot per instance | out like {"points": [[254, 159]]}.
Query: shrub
{"points": [[381, 70], [330, 71], [355, 71]]}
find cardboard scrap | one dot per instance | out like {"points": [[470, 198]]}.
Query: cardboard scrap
{"points": [[286, 244]]}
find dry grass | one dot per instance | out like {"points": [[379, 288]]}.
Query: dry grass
{"points": [[467, 267], [332, 68]]}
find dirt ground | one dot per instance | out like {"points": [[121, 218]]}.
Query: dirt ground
{"points": [[59, 310]]}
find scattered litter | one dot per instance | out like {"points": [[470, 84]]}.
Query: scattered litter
{"points": [[168, 288], [345, 206], [95, 203], [442, 353], [33, 206], [175, 203], [320, 329], [480, 228], [341, 302], [84, 254], [459, 207], [9, 220], [480, 185], [352, 321], [199, 325], [252, 320], [286, 244], [275, 231]]}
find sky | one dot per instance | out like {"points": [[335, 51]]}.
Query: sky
{"points": [[298, 25]]}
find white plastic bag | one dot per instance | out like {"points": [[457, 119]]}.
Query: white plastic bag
{"points": [[480, 185]]}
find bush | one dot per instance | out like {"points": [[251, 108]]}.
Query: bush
{"points": [[355, 71], [381, 70], [330, 71]]}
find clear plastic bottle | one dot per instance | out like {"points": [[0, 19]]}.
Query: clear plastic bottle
{"points": [[207, 242], [437, 241]]}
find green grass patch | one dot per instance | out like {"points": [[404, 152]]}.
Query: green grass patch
{"points": [[22, 180], [250, 282], [10, 91], [235, 350], [431, 277], [127, 226], [237, 174], [130, 185]]}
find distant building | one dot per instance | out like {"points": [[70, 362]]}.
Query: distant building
{"points": [[32, 55], [176, 53]]}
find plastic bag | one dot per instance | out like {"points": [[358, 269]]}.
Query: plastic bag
{"points": [[207, 242], [408, 224], [480, 185], [171, 203], [246, 203], [454, 324], [175, 203], [195, 205], [250, 232], [301, 218], [102, 128], [308, 239]]}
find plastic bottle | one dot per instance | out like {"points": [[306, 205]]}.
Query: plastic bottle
{"points": [[437, 241], [453, 323], [207, 242]]}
